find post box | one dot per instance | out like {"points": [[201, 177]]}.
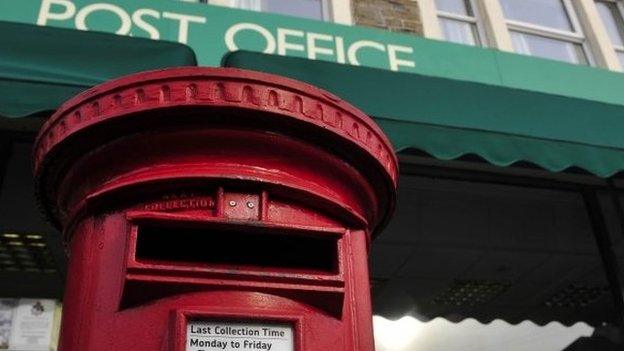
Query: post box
{"points": [[215, 209]]}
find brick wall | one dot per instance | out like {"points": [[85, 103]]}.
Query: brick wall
{"points": [[393, 15]]}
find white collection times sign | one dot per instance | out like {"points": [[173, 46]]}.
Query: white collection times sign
{"points": [[238, 336]]}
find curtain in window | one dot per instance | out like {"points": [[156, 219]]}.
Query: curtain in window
{"points": [[554, 49], [255, 5], [520, 43], [457, 31]]}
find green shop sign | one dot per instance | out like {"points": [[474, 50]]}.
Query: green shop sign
{"points": [[212, 31]]}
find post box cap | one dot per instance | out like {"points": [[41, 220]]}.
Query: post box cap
{"points": [[345, 130]]}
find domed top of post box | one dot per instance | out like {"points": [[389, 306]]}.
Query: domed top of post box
{"points": [[298, 109]]}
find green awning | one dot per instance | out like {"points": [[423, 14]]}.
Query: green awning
{"points": [[448, 118], [41, 67]]}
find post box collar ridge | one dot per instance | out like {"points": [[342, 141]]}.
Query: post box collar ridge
{"points": [[216, 87], [146, 101]]}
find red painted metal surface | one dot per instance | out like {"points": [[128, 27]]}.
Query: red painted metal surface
{"points": [[219, 195]]}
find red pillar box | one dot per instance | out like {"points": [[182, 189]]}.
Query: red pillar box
{"points": [[215, 209]]}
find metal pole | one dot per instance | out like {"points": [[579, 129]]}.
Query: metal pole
{"points": [[601, 234], [617, 204], [6, 147]]}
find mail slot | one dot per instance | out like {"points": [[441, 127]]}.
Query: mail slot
{"points": [[255, 249], [215, 209]]}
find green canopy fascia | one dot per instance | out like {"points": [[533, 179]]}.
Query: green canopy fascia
{"points": [[41, 67], [503, 124]]}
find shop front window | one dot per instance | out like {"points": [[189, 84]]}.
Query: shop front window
{"points": [[467, 265], [458, 21], [31, 254], [545, 28], [611, 15]]}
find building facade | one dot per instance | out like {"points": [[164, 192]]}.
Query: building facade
{"points": [[505, 115]]}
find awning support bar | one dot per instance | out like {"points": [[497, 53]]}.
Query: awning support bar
{"points": [[617, 204], [601, 234]]}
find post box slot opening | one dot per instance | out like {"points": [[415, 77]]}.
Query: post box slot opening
{"points": [[227, 247]]}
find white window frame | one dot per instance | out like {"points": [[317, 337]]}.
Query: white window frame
{"points": [[576, 36], [620, 7], [429, 19], [482, 39], [494, 25], [340, 11]]}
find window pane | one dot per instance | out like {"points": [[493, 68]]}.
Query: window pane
{"points": [[621, 57], [535, 45], [255, 5], [458, 31], [612, 20], [299, 8], [547, 13], [461, 7]]}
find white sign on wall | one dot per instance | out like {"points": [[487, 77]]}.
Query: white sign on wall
{"points": [[32, 324], [7, 306], [231, 336]]}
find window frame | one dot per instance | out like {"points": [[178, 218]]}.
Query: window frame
{"points": [[619, 49], [481, 40], [619, 5], [576, 36]]}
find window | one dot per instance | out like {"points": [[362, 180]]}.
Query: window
{"points": [[545, 28], [611, 15], [313, 9], [572, 31], [458, 21]]}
